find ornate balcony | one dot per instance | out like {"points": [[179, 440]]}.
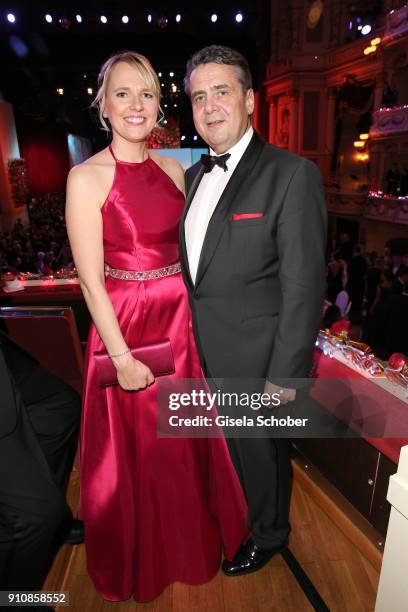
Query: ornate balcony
{"points": [[389, 121], [383, 207], [396, 25], [346, 203], [374, 205]]}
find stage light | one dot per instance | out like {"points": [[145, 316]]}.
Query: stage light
{"points": [[369, 50], [364, 136], [165, 106], [376, 41], [178, 18], [11, 18], [239, 17], [366, 29], [165, 121], [104, 19], [195, 137], [358, 144], [174, 88], [360, 27], [125, 19], [149, 18], [214, 17], [159, 74], [78, 18], [89, 91], [60, 91], [48, 18], [162, 84], [175, 105], [171, 74], [183, 137]]}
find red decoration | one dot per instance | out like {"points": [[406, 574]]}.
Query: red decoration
{"points": [[397, 361], [165, 137], [340, 327]]}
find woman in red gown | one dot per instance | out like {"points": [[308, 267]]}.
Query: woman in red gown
{"points": [[156, 510]]}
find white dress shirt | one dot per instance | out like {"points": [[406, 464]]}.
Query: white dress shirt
{"points": [[206, 199]]}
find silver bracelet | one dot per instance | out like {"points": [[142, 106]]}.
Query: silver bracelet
{"points": [[119, 354]]}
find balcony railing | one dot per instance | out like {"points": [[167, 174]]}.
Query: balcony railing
{"points": [[374, 205], [389, 121], [396, 25]]}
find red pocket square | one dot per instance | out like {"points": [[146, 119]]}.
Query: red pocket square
{"points": [[241, 217]]}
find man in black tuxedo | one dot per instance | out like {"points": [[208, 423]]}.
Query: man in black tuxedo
{"points": [[39, 421], [253, 239]]}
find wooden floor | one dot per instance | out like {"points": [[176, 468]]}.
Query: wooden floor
{"points": [[344, 578]]}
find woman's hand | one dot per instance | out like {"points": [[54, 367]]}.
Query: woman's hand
{"points": [[132, 374]]}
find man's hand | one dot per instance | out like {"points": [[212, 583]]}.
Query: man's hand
{"points": [[285, 395]]}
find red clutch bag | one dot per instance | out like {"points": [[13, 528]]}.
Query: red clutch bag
{"points": [[157, 356]]}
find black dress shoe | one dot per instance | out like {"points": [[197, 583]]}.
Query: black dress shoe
{"points": [[250, 558], [75, 532]]}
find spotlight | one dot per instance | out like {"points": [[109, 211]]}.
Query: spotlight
{"points": [[214, 17], [48, 18], [104, 19], [239, 17], [149, 18], [159, 74], [89, 91], [165, 106], [366, 29], [171, 74], [183, 137], [162, 84], [60, 91], [195, 137], [11, 18], [175, 105], [178, 18], [78, 18], [125, 19]]}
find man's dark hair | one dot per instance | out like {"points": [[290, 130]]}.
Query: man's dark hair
{"points": [[217, 54]]}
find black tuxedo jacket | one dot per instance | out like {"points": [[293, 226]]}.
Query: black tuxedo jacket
{"points": [[257, 300]]}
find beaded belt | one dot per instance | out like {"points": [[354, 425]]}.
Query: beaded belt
{"points": [[143, 274]]}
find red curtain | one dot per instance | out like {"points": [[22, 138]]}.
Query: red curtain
{"points": [[47, 158]]}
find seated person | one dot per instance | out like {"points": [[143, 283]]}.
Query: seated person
{"points": [[39, 421]]}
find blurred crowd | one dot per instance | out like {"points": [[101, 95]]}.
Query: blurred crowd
{"points": [[370, 291], [41, 248]]}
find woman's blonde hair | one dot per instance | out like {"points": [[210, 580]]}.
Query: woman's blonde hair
{"points": [[143, 67]]}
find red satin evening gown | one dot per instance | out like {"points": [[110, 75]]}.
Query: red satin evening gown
{"points": [[156, 510]]}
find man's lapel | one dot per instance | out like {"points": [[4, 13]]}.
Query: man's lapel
{"points": [[190, 195], [218, 221]]}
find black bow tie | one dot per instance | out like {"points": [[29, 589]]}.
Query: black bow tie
{"points": [[209, 161]]}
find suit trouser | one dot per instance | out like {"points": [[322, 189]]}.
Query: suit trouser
{"points": [[263, 466], [35, 463]]}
